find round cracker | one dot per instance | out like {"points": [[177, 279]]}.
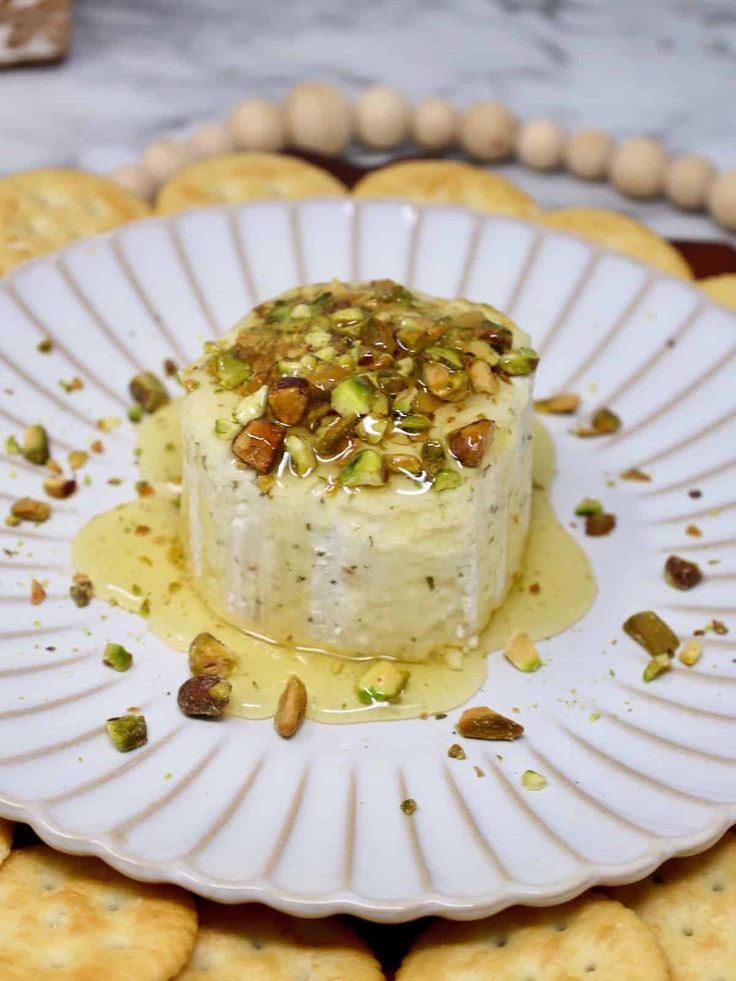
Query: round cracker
{"points": [[690, 904], [447, 182], [622, 234], [6, 838], [234, 177], [41, 210], [253, 942], [75, 919], [590, 935], [722, 289]]}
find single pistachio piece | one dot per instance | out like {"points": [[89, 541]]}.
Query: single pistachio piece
{"points": [[59, 487], [690, 652], [347, 315], [597, 525], [654, 635], [301, 311], [208, 655], [531, 780], [482, 722], [404, 463], [589, 505], [446, 480], [29, 509], [135, 413], [482, 379], [252, 406], [352, 397], [292, 708], [456, 752], [657, 666], [382, 682], [682, 574], [204, 696], [35, 447], [634, 473], [148, 391], [230, 370], [54, 466], [447, 355], [12, 446], [372, 428], [365, 469], [116, 656], [45, 345], [81, 589], [301, 454], [499, 337], [308, 362], [408, 806], [327, 353], [127, 732], [38, 593], [433, 457], [603, 423], [292, 368], [522, 361], [405, 366], [445, 381], [288, 399], [332, 437], [469, 444], [564, 404], [483, 351], [317, 339], [405, 401], [377, 334], [77, 459], [391, 382], [258, 444], [521, 652], [413, 424], [226, 428]]}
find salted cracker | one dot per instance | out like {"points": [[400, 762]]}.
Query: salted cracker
{"points": [[75, 919], [590, 936], [234, 177]]}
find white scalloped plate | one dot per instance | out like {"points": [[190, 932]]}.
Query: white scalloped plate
{"points": [[313, 826]]}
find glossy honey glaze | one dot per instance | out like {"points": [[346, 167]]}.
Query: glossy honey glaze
{"points": [[135, 559]]}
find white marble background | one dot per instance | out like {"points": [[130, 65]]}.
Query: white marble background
{"points": [[142, 68]]}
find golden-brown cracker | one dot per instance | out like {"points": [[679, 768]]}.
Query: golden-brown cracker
{"points": [[75, 919], [722, 289], [622, 234], [41, 210], [447, 182], [591, 935], [6, 839], [237, 942], [690, 904], [234, 177]]}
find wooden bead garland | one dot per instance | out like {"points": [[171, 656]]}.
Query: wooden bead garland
{"points": [[316, 117]]}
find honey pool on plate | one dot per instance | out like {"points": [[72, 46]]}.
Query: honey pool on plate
{"points": [[134, 557]]}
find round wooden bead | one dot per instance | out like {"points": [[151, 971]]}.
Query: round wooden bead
{"points": [[381, 117], [318, 118], [539, 144], [587, 154], [164, 158], [487, 131], [257, 125], [434, 124], [722, 200], [211, 139], [637, 168], [687, 179], [134, 179]]}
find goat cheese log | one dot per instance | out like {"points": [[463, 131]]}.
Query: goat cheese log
{"points": [[357, 469]]}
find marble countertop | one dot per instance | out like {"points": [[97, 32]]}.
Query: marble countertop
{"points": [[143, 68]]}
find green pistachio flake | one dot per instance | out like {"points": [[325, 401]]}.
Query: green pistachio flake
{"points": [[589, 505], [35, 446], [372, 428], [208, 655], [521, 361], [127, 732], [148, 391], [654, 635], [230, 371], [135, 413], [382, 682], [352, 397], [252, 406], [446, 480], [226, 428], [447, 354], [414, 423], [657, 666], [116, 656], [12, 446], [531, 780], [301, 453], [365, 469], [408, 806]]}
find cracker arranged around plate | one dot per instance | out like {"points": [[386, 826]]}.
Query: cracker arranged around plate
{"points": [[41, 210], [447, 182], [722, 289], [591, 935], [234, 177], [75, 919], [690, 904], [238, 942], [616, 231]]}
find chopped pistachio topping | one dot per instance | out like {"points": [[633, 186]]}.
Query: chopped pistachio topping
{"points": [[81, 590], [408, 806], [116, 656], [657, 666], [77, 459], [291, 709], [148, 391], [589, 505], [29, 509], [59, 487], [35, 447], [482, 722], [38, 593], [362, 366], [521, 652], [382, 682], [682, 574], [531, 780], [597, 525], [690, 652], [12, 446], [135, 413], [654, 635], [564, 404], [208, 655], [603, 423], [456, 752], [127, 732], [204, 696]]}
